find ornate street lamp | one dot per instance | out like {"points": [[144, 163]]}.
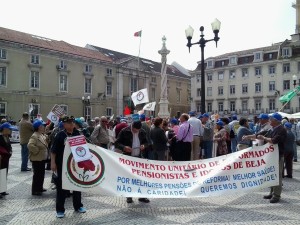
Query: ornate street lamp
{"points": [[216, 24]]}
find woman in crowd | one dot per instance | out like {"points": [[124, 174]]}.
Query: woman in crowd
{"points": [[159, 140], [220, 138], [5, 148], [38, 154]]}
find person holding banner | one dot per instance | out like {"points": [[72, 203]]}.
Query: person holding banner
{"points": [[276, 136], [38, 154], [5, 148], [57, 156], [132, 141]]}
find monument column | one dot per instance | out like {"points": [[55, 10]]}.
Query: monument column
{"points": [[163, 103]]}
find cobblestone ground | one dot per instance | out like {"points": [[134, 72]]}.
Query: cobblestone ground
{"points": [[20, 207]]}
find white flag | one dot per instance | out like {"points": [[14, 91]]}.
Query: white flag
{"points": [[150, 106], [140, 97]]}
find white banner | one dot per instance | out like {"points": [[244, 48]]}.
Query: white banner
{"points": [[140, 97], [150, 106], [110, 173], [3, 182], [55, 113]]}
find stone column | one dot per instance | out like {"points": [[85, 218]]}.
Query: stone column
{"points": [[163, 103]]}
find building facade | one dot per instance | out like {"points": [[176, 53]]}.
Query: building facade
{"points": [[36, 73]]}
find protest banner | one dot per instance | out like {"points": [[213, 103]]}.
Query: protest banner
{"points": [[55, 113], [114, 174], [3, 183]]}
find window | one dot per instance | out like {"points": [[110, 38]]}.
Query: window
{"points": [[271, 85], [209, 107], [258, 105], [133, 84], [245, 72], [220, 106], [87, 112], [2, 54], [209, 91], [209, 76], [88, 68], [222, 63], [286, 68], [288, 105], [153, 94], [209, 64], [244, 105], [232, 60], [286, 85], [285, 52], [2, 109], [109, 111], [198, 77], [232, 89], [108, 72], [232, 106], [231, 74], [88, 85], [198, 92], [272, 104], [272, 69], [220, 90], [244, 88], [35, 59], [108, 88], [63, 83], [65, 108], [63, 64], [198, 107], [221, 75], [178, 96], [153, 79], [246, 59], [2, 76], [257, 71], [35, 79], [257, 56], [257, 87], [270, 55]]}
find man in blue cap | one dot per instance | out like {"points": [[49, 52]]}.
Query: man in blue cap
{"points": [[278, 136], [264, 127]]}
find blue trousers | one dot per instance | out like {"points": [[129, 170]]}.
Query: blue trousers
{"points": [[24, 156], [233, 144], [207, 146], [295, 151]]}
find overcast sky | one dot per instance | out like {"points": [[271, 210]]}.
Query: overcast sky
{"points": [[112, 23]]}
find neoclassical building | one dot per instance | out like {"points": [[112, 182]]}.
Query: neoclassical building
{"points": [[250, 82], [36, 73]]}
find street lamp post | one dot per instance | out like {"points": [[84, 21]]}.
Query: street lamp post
{"points": [[295, 80], [86, 102], [216, 24]]}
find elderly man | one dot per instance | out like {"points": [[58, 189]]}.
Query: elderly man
{"points": [[26, 130], [278, 136], [100, 135], [208, 134], [132, 141], [197, 132]]}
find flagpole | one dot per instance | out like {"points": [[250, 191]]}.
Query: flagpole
{"points": [[139, 53]]}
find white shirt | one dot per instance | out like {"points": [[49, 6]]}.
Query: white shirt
{"points": [[135, 144], [196, 126]]}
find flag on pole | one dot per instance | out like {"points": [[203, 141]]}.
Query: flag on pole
{"points": [[288, 97], [138, 34], [140, 97], [150, 106]]}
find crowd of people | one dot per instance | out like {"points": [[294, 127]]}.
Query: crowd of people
{"points": [[189, 137]]}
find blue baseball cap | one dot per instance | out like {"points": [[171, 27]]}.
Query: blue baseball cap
{"points": [[6, 125], [142, 117], [263, 116], [174, 121], [200, 117], [288, 125], [234, 117], [220, 123], [276, 116], [37, 123], [78, 121], [205, 115], [192, 113]]}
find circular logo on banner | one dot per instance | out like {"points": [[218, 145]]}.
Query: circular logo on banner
{"points": [[140, 96], [53, 118], [149, 106], [80, 151], [86, 173]]}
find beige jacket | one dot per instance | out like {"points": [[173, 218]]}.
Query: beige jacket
{"points": [[38, 147], [26, 130]]}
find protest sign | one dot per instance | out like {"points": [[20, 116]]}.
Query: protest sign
{"points": [[110, 173], [79, 148], [55, 113]]}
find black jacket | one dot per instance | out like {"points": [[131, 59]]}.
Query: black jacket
{"points": [[159, 139], [125, 139]]}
